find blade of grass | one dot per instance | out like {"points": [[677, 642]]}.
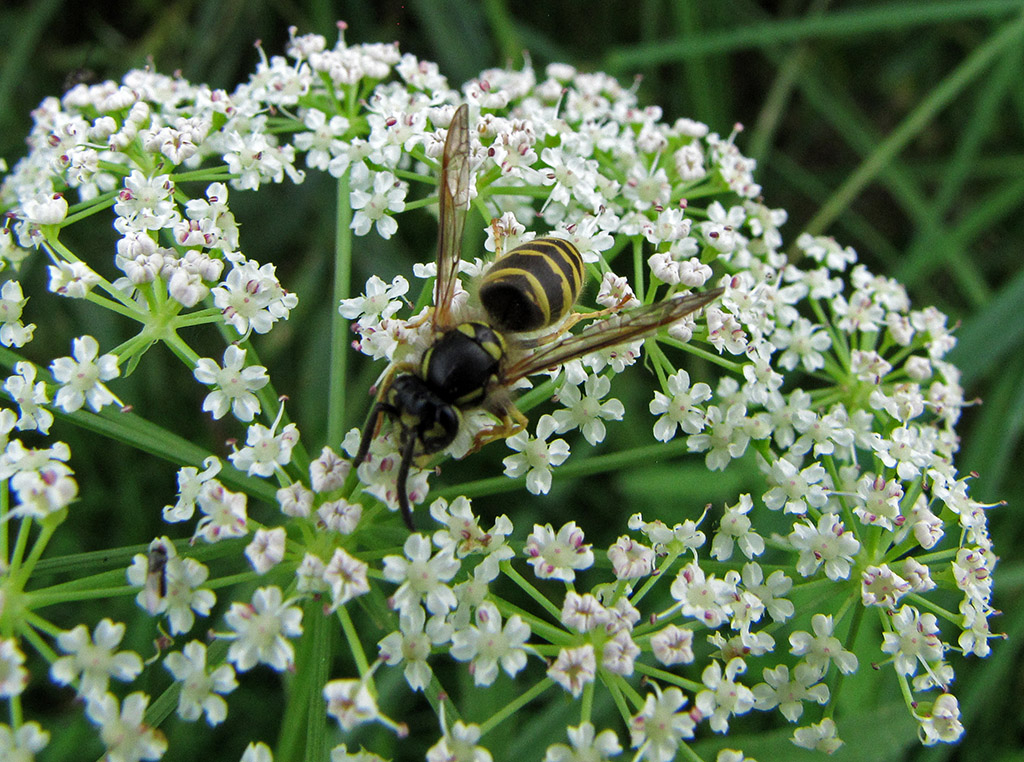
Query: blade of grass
{"points": [[882, 19]]}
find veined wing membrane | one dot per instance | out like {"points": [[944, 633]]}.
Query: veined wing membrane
{"points": [[621, 329], [453, 195]]}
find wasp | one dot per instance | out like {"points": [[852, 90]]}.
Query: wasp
{"points": [[472, 364]]}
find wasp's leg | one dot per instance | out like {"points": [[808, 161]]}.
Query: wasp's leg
{"points": [[400, 483], [511, 422], [380, 407], [370, 428]]}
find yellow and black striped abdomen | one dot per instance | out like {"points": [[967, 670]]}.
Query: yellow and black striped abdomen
{"points": [[532, 286]]}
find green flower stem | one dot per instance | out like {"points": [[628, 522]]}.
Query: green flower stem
{"points": [[5, 508], [440, 701], [304, 730], [622, 687], [355, 647], [549, 632], [182, 350], [43, 599], [712, 357], [79, 212], [653, 579], [218, 173], [201, 317], [337, 402], [47, 527], [614, 688], [638, 268], [572, 469], [836, 684], [530, 590], [668, 677], [587, 702], [839, 345], [143, 435], [54, 247], [20, 543], [515, 705], [933, 607]]}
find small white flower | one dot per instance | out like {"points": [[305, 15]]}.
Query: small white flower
{"points": [[735, 527], [235, 385], [464, 535], [788, 693], [681, 410], [340, 515], [827, 543], [618, 655], [265, 450], [45, 209], [702, 596], [821, 737], [81, 376], [93, 660], [459, 743], [412, 644], [673, 645], [12, 301], [914, 638], [574, 668], [346, 577], [587, 744], [200, 685], [350, 703], [535, 456], [266, 549], [488, 645], [943, 724], [261, 630], [586, 411], [630, 559], [13, 676], [822, 648], [373, 206], [122, 729], [224, 512], [179, 593], [881, 586], [328, 472], [190, 485], [72, 279], [24, 743], [558, 556], [296, 500], [252, 299], [657, 729], [421, 577], [378, 302], [28, 395], [794, 489], [723, 696]]}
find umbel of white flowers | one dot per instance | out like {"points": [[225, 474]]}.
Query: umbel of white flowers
{"points": [[818, 370]]}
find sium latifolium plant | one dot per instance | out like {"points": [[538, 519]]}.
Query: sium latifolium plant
{"points": [[812, 368]]}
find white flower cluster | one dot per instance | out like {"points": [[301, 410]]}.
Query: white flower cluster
{"points": [[861, 497]]}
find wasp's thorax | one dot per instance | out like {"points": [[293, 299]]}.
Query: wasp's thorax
{"points": [[463, 363]]}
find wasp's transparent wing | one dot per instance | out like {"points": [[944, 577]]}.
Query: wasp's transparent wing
{"points": [[620, 329], [453, 195]]}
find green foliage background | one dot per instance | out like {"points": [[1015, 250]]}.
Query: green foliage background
{"points": [[896, 127]]}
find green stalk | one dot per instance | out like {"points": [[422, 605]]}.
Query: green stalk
{"points": [[338, 373]]}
